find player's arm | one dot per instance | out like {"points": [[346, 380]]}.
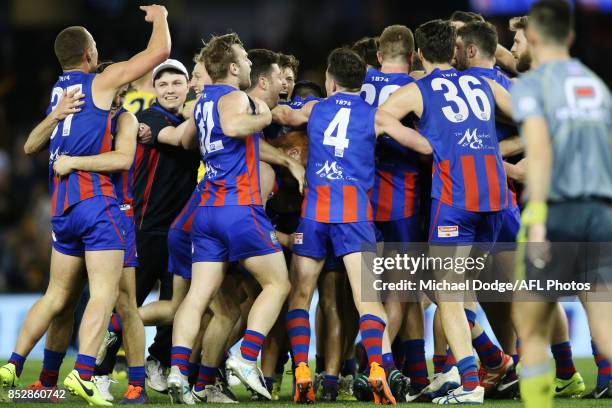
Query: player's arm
{"points": [[511, 146], [237, 118], [182, 135], [516, 172], [272, 155], [387, 124], [403, 101], [286, 116], [69, 103], [505, 59], [116, 160], [157, 51], [503, 102], [538, 150]]}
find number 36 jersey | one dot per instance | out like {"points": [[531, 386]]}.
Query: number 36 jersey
{"points": [[232, 163], [459, 121], [86, 133], [340, 170]]}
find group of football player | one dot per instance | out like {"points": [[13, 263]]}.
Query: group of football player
{"points": [[298, 185]]}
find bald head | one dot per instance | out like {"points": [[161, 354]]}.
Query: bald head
{"points": [[70, 46]]}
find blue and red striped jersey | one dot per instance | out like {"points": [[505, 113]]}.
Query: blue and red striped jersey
{"points": [[86, 133], [459, 121], [232, 163], [185, 218], [124, 180], [503, 130], [340, 170], [396, 186]]}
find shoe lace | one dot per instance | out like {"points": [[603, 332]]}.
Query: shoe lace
{"points": [[133, 392]]}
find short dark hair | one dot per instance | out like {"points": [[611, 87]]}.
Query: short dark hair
{"points": [[262, 61], [396, 41], [518, 23], [436, 40], [466, 16], [163, 71], [289, 61], [482, 35], [553, 19], [347, 68], [366, 48], [218, 54], [70, 45], [306, 88]]}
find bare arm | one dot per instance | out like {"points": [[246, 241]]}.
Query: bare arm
{"points": [[272, 155], [116, 160], [503, 103], [284, 115], [505, 59], [39, 137], [236, 117], [539, 153], [387, 124], [157, 51], [511, 146], [516, 172], [403, 101]]}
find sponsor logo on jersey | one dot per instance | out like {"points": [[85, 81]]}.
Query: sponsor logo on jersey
{"points": [[331, 171], [273, 237], [448, 231], [125, 207], [471, 139], [211, 172], [298, 238]]}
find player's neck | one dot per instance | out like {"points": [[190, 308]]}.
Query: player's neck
{"points": [[81, 68], [550, 54], [430, 66], [394, 68], [347, 91], [230, 81], [482, 64], [263, 95]]}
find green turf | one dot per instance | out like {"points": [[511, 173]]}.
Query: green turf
{"points": [[585, 366]]}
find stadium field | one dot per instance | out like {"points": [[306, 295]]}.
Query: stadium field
{"points": [[585, 366]]}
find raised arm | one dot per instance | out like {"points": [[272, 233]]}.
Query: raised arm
{"points": [[503, 101], [157, 51], [237, 119], [505, 59], [403, 101], [68, 104], [286, 116], [272, 155], [387, 124], [119, 159]]}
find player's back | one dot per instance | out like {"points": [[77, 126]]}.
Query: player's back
{"points": [[459, 121], [578, 110], [232, 163], [340, 170], [86, 133], [395, 194]]}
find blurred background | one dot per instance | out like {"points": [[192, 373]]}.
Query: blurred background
{"points": [[307, 29]]}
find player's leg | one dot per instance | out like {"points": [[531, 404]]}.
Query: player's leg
{"points": [[568, 382], [534, 330], [413, 344], [349, 378], [271, 353]]}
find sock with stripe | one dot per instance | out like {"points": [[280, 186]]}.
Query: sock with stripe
{"points": [[469, 373], [536, 386], [490, 355], [349, 367], [511, 374], [298, 330], [330, 381], [471, 318], [179, 357], [439, 361], [251, 345], [564, 363], [399, 357], [85, 366], [416, 365], [372, 328], [136, 376], [450, 361], [388, 363], [320, 364], [206, 376], [18, 361], [52, 361], [114, 325], [604, 368]]}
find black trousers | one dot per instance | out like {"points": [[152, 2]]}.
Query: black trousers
{"points": [[152, 248]]}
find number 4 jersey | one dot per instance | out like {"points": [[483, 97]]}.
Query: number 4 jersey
{"points": [[459, 121], [340, 171], [86, 133]]}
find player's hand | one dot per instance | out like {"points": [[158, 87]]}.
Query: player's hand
{"points": [[144, 134], [298, 172], [280, 113], [63, 166], [69, 103], [538, 248], [187, 110], [154, 12]]}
